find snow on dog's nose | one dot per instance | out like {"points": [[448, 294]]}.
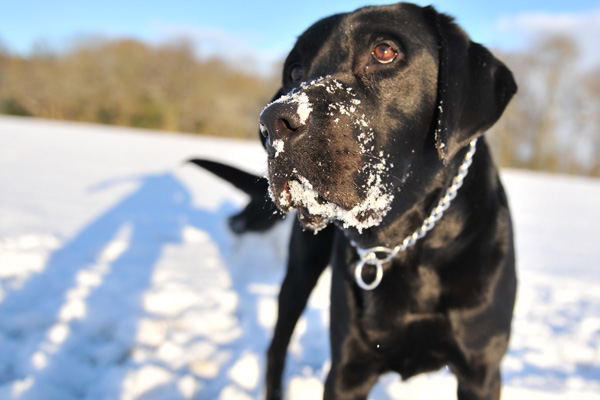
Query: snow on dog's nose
{"points": [[284, 118]]}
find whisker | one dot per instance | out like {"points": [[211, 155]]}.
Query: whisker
{"points": [[373, 156]]}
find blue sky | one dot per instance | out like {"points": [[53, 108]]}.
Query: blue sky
{"points": [[266, 29]]}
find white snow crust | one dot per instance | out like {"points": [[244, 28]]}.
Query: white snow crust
{"points": [[299, 98], [119, 278], [302, 193], [278, 145]]}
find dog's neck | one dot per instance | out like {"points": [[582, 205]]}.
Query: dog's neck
{"points": [[375, 248], [382, 237]]}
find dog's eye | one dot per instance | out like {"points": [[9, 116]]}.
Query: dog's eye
{"points": [[296, 73], [384, 53]]}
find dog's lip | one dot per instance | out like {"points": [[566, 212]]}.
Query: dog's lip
{"points": [[286, 196], [282, 198], [293, 190], [286, 201], [312, 221], [320, 198]]}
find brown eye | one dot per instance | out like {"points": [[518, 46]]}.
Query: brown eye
{"points": [[384, 53], [296, 73]]}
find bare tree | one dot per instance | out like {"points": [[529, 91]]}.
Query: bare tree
{"points": [[553, 120]]}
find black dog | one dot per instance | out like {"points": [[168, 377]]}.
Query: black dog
{"points": [[370, 139]]}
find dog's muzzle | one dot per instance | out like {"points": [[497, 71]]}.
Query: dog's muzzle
{"points": [[320, 149]]}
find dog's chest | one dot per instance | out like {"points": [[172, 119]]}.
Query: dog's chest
{"points": [[411, 343], [403, 325], [405, 292]]}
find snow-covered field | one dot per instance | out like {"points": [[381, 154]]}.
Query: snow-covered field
{"points": [[119, 278]]}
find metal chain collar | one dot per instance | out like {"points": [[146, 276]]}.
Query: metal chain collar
{"points": [[370, 255]]}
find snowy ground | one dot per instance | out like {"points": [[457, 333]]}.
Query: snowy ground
{"points": [[120, 280]]}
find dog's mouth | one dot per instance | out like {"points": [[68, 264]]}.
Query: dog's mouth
{"points": [[316, 210]]}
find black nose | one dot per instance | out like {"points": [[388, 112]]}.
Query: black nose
{"points": [[282, 121]]}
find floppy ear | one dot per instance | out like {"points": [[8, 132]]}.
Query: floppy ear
{"points": [[473, 88], [263, 139]]}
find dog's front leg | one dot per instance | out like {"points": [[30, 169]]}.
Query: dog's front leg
{"points": [[308, 256], [486, 387], [354, 367]]}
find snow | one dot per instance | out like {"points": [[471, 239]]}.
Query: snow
{"points": [[304, 107], [278, 145], [301, 100], [303, 193], [119, 278]]}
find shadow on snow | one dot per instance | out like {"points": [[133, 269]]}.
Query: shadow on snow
{"points": [[97, 344]]}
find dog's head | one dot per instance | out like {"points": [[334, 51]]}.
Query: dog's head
{"points": [[370, 101]]}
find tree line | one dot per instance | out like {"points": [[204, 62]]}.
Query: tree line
{"points": [[131, 83], [553, 123]]}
